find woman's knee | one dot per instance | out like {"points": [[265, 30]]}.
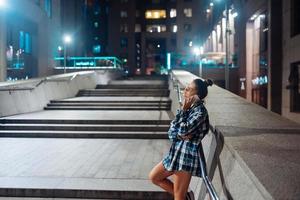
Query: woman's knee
{"points": [[153, 177]]}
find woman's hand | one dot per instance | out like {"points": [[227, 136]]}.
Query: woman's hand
{"points": [[188, 102], [187, 137]]}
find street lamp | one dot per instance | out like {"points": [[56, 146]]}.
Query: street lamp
{"points": [[3, 3], [198, 51], [67, 40]]}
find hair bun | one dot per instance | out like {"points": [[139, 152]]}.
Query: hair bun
{"points": [[209, 82]]}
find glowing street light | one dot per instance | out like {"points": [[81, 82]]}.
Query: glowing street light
{"points": [[198, 51], [3, 3], [67, 39]]}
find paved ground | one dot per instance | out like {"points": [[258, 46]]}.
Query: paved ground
{"points": [[95, 115], [267, 143]]}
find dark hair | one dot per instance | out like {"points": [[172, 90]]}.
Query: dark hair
{"points": [[201, 87]]}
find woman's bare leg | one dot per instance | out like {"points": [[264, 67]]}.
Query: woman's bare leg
{"points": [[181, 184], [159, 175]]}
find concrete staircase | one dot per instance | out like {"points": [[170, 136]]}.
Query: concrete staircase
{"points": [[123, 112]]}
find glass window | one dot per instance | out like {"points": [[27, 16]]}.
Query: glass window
{"points": [[155, 14], [173, 13], [188, 42], [21, 40], [295, 17], [97, 48], [174, 28], [156, 28], [124, 42], [48, 7], [137, 28], [123, 14], [294, 86], [28, 43], [187, 27], [187, 12], [124, 28]]}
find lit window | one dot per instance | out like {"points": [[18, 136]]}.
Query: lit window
{"points": [[97, 48], [48, 7], [96, 24], [27, 43], [156, 28], [173, 13], [124, 28], [174, 28], [155, 14], [137, 28], [124, 14], [187, 12], [188, 42]]}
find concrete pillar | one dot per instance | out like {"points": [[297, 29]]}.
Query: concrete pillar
{"points": [[275, 56], [3, 65]]}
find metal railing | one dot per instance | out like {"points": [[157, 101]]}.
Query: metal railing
{"points": [[47, 79], [208, 184]]}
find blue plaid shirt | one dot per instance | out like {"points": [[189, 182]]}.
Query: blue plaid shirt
{"points": [[184, 154]]}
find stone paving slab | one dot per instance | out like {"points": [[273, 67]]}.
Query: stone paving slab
{"points": [[95, 115], [274, 159], [80, 164]]}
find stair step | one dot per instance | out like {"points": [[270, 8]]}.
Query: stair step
{"points": [[112, 101], [133, 86], [110, 104], [107, 108], [84, 134], [75, 121], [123, 94], [86, 127]]}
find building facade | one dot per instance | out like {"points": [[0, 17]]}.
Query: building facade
{"points": [[29, 36], [263, 41]]}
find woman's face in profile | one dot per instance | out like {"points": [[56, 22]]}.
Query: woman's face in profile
{"points": [[189, 90]]}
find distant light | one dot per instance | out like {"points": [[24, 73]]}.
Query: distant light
{"points": [[169, 61], [234, 15], [201, 50], [3, 3], [67, 39], [208, 10], [211, 4], [262, 16], [197, 51], [158, 29], [158, 46], [191, 43], [253, 17], [59, 48], [174, 28]]}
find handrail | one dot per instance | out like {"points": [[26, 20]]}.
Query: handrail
{"points": [[209, 186], [56, 80], [16, 88]]}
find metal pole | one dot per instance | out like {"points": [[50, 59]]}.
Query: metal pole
{"points": [[200, 67], [3, 63], [65, 58], [227, 47]]}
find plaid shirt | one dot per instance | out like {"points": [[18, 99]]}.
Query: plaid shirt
{"points": [[184, 154]]}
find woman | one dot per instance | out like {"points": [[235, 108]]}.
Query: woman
{"points": [[190, 125]]}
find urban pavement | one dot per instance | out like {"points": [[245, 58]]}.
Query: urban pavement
{"points": [[41, 155]]}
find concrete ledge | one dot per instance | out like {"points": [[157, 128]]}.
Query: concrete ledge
{"points": [[38, 92], [257, 154]]}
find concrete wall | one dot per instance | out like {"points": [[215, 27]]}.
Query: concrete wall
{"points": [[22, 101], [247, 150]]}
